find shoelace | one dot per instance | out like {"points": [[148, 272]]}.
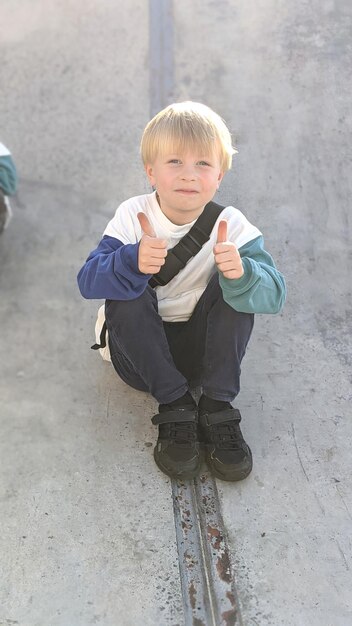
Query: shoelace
{"points": [[184, 433], [227, 436]]}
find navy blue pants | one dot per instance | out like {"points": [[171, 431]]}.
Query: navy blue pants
{"points": [[166, 358]]}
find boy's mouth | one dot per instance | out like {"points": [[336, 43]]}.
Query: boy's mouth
{"points": [[186, 191]]}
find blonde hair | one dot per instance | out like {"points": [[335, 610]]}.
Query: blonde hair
{"points": [[187, 125]]}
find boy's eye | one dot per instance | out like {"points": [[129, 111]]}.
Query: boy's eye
{"points": [[174, 161], [203, 163]]}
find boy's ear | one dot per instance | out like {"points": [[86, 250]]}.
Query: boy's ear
{"points": [[220, 177], [150, 173]]}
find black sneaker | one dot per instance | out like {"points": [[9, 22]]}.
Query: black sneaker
{"points": [[227, 454], [177, 451]]}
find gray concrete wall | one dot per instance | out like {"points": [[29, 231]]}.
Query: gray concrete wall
{"points": [[87, 535], [75, 83]]}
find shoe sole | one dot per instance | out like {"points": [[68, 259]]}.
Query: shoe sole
{"points": [[229, 476], [181, 475]]}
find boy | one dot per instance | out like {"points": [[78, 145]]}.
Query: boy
{"points": [[8, 185], [194, 330]]}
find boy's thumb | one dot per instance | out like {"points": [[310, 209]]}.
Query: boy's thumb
{"points": [[222, 232], [146, 226]]}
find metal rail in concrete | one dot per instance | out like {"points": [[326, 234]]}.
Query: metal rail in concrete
{"points": [[208, 591], [207, 581], [161, 66]]}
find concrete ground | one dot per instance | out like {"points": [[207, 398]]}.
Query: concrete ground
{"points": [[87, 537]]}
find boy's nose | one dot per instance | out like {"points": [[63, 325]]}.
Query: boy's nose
{"points": [[188, 173]]}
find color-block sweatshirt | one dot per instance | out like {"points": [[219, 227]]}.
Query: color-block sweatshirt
{"points": [[8, 174], [111, 270]]}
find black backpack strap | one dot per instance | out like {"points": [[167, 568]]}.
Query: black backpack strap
{"points": [[102, 343], [178, 256]]}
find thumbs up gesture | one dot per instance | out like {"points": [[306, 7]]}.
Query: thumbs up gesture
{"points": [[227, 257], [152, 250]]}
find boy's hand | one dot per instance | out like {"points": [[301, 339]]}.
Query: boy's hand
{"points": [[227, 257], [152, 250]]}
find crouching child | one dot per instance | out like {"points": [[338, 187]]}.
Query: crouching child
{"points": [[166, 338]]}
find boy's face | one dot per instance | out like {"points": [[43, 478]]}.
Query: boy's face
{"points": [[185, 183]]}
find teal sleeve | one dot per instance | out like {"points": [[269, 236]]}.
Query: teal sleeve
{"points": [[262, 288], [8, 175]]}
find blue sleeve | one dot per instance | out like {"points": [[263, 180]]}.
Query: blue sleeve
{"points": [[262, 288], [8, 175], [111, 272]]}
